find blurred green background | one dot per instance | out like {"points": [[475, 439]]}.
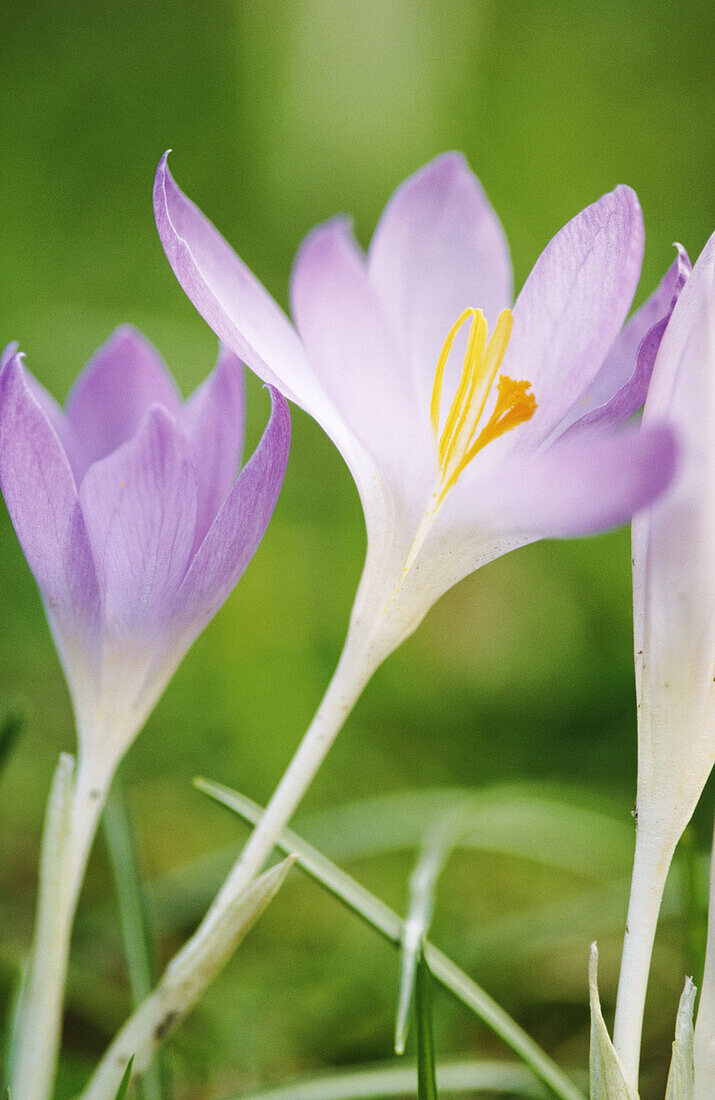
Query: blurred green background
{"points": [[281, 114]]}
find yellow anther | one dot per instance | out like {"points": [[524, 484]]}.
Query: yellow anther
{"points": [[464, 395], [459, 441], [436, 399], [514, 406]]}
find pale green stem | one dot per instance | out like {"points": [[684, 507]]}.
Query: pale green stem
{"points": [[355, 668], [650, 870], [74, 806], [345, 688], [186, 977]]}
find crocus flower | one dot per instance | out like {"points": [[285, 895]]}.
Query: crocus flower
{"points": [[132, 519], [674, 617], [469, 428], [136, 528]]}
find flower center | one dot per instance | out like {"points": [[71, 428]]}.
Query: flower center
{"points": [[461, 438]]}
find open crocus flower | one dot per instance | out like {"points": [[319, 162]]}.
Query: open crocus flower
{"points": [[674, 617], [132, 519], [470, 427]]}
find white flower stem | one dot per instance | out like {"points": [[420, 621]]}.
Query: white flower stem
{"points": [[350, 677], [141, 1032], [650, 870], [73, 810]]}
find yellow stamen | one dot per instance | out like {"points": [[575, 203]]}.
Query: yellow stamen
{"points": [[464, 395], [436, 399], [459, 440], [514, 406]]}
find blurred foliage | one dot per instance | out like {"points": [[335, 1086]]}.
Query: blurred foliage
{"points": [[281, 114]]}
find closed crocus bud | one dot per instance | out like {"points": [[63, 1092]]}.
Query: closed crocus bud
{"points": [[132, 518], [135, 524], [674, 616]]}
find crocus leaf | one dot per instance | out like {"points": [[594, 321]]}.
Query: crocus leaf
{"points": [[446, 832], [608, 1078], [426, 1078], [186, 977], [511, 819], [385, 921], [680, 1077], [10, 729], [137, 933], [378, 1081], [124, 1083]]}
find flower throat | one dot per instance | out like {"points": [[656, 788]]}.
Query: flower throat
{"points": [[460, 439]]}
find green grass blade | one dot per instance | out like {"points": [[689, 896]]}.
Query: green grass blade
{"points": [[124, 1083], [515, 820], [391, 926], [392, 1079], [444, 835], [419, 917], [11, 727], [426, 1076], [186, 977], [133, 916]]}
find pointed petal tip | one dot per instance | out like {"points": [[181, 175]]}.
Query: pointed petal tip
{"points": [[682, 259], [280, 413], [11, 360], [165, 188], [629, 203], [158, 419], [127, 339], [162, 168], [328, 234], [442, 175], [319, 250], [445, 166], [10, 351]]}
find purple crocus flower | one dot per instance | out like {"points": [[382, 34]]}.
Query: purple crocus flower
{"points": [[132, 519], [470, 429], [674, 633]]}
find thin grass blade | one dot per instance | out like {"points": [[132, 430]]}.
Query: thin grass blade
{"points": [[186, 977], [426, 1075], [395, 1079], [514, 820], [390, 925], [137, 936], [445, 834], [124, 1083]]}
